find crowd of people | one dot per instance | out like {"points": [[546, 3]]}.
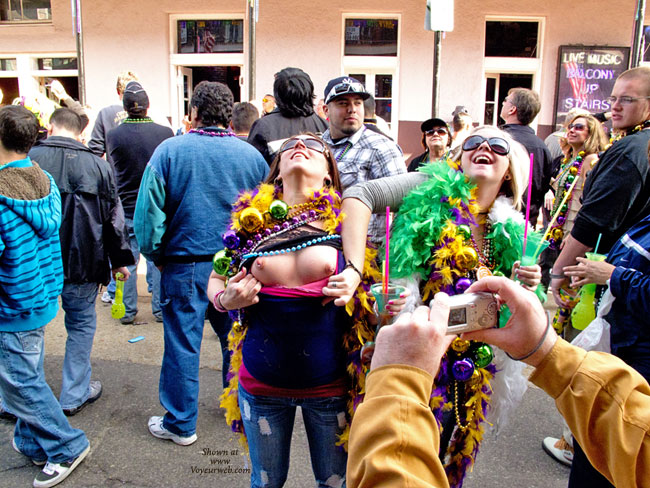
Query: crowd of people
{"points": [[274, 228]]}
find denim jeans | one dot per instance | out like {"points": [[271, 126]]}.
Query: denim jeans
{"points": [[42, 430], [183, 302], [131, 285], [221, 324], [268, 423], [78, 302]]}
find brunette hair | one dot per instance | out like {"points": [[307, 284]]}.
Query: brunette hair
{"points": [[527, 103], [332, 167]]}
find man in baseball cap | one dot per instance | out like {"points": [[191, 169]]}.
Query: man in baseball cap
{"points": [[361, 154]]}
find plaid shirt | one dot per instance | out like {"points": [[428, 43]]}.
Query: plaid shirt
{"points": [[364, 156]]}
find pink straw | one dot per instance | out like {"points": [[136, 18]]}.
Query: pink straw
{"points": [[530, 184], [386, 260]]}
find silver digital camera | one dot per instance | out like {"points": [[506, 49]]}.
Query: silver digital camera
{"points": [[472, 311]]}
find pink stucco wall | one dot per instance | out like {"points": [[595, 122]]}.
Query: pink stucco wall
{"points": [[121, 35]]}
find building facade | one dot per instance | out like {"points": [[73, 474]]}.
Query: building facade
{"points": [[495, 45]]}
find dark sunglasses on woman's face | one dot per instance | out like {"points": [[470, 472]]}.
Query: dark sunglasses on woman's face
{"points": [[498, 145], [440, 131], [308, 142], [577, 126]]}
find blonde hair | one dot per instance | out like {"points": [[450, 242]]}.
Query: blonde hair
{"points": [[596, 140], [518, 164], [123, 78]]}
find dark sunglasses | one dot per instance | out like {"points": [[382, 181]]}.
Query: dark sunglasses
{"points": [[498, 145], [577, 126], [308, 142], [440, 131], [344, 88]]}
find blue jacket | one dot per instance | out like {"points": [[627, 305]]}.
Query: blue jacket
{"points": [[31, 271], [630, 284], [186, 195]]}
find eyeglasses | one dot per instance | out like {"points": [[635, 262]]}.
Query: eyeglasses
{"points": [[440, 131], [308, 142], [344, 88], [264, 100], [577, 126], [624, 100], [498, 145]]}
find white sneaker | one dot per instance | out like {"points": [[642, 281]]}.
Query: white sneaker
{"points": [[106, 298], [37, 462], [157, 430], [54, 473], [558, 449]]}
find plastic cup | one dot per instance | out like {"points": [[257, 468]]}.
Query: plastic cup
{"points": [[533, 250], [594, 256], [585, 311], [382, 299]]}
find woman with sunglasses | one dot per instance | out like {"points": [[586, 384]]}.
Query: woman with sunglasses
{"points": [[436, 141], [584, 139], [290, 344], [455, 223]]}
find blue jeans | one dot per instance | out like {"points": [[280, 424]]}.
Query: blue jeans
{"points": [[221, 324], [131, 285], [78, 302], [42, 430], [268, 423], [183, 302]]}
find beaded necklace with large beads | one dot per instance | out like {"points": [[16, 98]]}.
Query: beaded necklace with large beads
{"points": [[570, 171]]}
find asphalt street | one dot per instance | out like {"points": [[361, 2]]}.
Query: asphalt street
{"points": [[123, 453]]}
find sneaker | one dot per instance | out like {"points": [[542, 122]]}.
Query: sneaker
{"points": [[558, 449], [54, 473], [157, 430], [127, 320], [37, 462], [106, 298], [158, 318], [95, 392]]}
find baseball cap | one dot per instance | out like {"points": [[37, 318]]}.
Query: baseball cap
{"points": [[134, 97], [431, 123], [344, 85]]}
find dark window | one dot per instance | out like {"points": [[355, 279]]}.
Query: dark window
{"points": [[57, 63], [8, 64], [210, 36], [25, 11], [646, 43], [511, 39], [371, 37]]}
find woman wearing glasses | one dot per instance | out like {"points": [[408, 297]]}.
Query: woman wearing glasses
{"points": [[456, 223], [585, 138], [291, 345], [436, 141]]}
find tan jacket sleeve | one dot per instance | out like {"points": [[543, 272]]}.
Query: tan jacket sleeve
{"points": [[394, 438], [607, 407]]}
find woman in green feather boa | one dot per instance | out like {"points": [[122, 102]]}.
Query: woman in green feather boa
{"points": [[456, 222]]}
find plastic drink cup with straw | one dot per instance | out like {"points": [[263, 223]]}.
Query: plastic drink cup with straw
{"points": [[118, 310], [382, 298], [585, 311]]}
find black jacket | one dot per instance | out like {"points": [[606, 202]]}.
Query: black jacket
{"points": [[542, 169], [92, 227], [268, 133]]}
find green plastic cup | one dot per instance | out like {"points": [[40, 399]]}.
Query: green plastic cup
{"points": [[533, 250]]}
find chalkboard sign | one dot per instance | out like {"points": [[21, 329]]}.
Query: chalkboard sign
{"points": [[586, 76]]}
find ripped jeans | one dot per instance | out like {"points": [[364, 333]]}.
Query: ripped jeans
{"points": [[268, 422]]}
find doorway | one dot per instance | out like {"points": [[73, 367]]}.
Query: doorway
{"points": [[190, 76], [496, 90]]}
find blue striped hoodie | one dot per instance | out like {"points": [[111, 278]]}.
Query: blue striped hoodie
{"points": [[31, 271]]}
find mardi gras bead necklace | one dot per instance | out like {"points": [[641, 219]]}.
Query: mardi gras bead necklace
{"points": [[571, 169], [644, 125], [212, 133], [143, 120]]}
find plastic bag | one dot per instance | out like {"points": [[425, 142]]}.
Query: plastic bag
{"points": [[596, 336]]}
